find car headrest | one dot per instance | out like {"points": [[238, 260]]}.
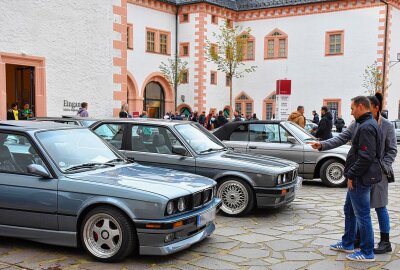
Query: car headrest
{"points": [[3, 138], [4, 153], [158, 140]]}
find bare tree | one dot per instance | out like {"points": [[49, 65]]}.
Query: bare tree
{"points": [[229, 54], [174, 71], [373, 80]]}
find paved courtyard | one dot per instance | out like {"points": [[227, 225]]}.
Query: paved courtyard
{"points": [[294, 237]]}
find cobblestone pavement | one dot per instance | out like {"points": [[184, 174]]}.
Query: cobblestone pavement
{"points": [[293, 237]]}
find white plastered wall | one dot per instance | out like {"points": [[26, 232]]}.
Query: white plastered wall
{"points": [[393, 98], [75, 38]]}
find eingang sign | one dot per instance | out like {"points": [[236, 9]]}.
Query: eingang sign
{"points": [[71, 106]]}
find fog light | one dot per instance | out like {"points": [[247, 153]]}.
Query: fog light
{"points": [[169, 237]]}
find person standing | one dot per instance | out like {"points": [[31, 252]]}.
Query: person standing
{"points": [[124, 111], [254, 117], [339, 124], [324, 131], [195, 117], [236, 116], [362, 167], [298, 117], [143, 115], [26, 112], [202, 118], [315, 117], [209, 125], [379, 191], [13, 113], [177, 116], [220, 120], [83, 112]]}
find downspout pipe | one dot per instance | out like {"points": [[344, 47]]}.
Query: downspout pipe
{"points": [[384, 71], [176, 57]]}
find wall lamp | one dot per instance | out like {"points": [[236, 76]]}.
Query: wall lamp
{"points": [[395, 62]]}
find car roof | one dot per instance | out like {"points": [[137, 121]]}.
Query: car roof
{"points": [[164, 122], [34, 125], [66, 118]]}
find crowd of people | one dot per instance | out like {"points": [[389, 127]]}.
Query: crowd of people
{"points": [[20, 114]]}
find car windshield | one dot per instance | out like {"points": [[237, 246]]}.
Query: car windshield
{"points": [[77, 148], [88, 123], [199, 139], [299, 132]]}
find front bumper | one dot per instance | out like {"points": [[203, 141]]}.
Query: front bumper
{"points": [[278, 196], [152, 241]]}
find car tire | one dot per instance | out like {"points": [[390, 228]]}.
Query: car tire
{"points": [[237, 197], [107, 234], [332, 173]]}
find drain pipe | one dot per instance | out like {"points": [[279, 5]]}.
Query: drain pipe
{"points": [[385, 54], [176, 57]]}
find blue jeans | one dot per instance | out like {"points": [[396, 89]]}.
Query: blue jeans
{"points": [[383, 219], [357, 213]]}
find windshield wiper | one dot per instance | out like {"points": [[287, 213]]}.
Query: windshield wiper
{"points": [[213, 149], [113, 161], [88, 166]]}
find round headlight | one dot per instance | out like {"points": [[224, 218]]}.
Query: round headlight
{"points": [[170, 208], [181, 204], [279, 179]]}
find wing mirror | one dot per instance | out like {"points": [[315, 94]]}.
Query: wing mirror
{"points": [[179, 150], [291, 140], [38, 170]]}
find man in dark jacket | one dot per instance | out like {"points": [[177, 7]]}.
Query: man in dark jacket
{"points": [[339, 124], [220, 120], [315, 117], [202, 118], [324, 131], [362, 166], [236, 116]]}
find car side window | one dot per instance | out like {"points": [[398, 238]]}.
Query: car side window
{"points": [[17, 153], [270, 133], [113, 133], [241, 133], [153, 139]]}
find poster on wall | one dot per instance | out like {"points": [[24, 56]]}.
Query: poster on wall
{"points": [[283, 93]]}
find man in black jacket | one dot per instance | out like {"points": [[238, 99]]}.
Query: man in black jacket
{"points": [[339, 124], [324, 131], [361, 169], [220, 120], [315, 117]]}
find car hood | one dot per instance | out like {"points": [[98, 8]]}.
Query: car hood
{"points": [[247, 162], [165, 182]]}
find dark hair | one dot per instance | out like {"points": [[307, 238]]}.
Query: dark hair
{"points": [[379, 96], [314, 111], [363, 100], [300, 107], [220, 112], [324, 108], [84, 104], [13, 105], [26, 103]]}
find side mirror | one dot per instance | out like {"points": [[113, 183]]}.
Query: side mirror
{"points": [[38, 170], [179, 150], [291, 140]]}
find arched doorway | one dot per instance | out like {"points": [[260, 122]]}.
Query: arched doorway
{"points": [[154, 100]]}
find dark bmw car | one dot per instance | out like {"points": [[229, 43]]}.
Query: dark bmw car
{"points": [[69, 120], [244, 181], [64, 185]]}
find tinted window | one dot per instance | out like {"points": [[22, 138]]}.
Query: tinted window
{"points": [[240, 134], [17, 153], [271, 133], [153, 139], [113, 133]]}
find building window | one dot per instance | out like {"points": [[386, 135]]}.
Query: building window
{"points": [[185, 77], [213, 77], [184, 18], [158, 41], [214, 19], [244, 104], [249, 47], [129, 36], [276, 45], [334, 105], [184, 49], [151, 41], [269, 106], [334, 43], [227, 81], [268, 110]]}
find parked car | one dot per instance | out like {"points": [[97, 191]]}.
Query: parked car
{"points": [[69, 120], [397, 128], [244, 181], [63, 185], [286, 140]]}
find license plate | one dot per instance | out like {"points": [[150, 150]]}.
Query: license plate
{"points": [[205, 217]]}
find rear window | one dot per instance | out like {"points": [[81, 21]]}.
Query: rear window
{"points": [[241, 133]]}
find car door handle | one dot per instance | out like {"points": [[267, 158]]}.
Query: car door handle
{"points": [[253, 147]]}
